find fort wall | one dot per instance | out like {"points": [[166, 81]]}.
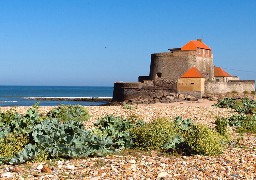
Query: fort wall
{"points": [[239, 86], [166, 65], [172, 65], [205, 66], [148, 92]]}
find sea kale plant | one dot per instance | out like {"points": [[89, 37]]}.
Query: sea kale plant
{"points": [[26, 136], [62, 139], [246, 120], [14, 131], [60, 134], [245, 105], [117, 129], [69, 112]]}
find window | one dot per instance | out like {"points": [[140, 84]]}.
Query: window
{"points": [[192, 83], [158, 75]]}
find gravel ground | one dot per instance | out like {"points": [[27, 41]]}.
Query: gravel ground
{"points": [[238, 162]]}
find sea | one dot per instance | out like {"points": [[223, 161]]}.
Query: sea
{"points": [[23, 95]]}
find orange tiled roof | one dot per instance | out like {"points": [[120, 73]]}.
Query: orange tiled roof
{"points": [[219, 72], [193, 45], [192, 73]]}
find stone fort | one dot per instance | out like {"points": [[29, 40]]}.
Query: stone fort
{"points": [[186, 71]]}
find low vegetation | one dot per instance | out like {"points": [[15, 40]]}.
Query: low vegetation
{"points": [[69, 113], [243, 106], [61, 133], [180, 136], [245, 122]]}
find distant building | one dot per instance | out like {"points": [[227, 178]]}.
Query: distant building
{"points": [[191, 81], [186, 70]]}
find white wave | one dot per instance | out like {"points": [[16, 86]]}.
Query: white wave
{"points": [[69, 97], [9, 101]]}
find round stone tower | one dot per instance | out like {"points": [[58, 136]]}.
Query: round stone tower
{"points": [[171, 65]]}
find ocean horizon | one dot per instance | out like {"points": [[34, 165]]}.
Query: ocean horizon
{"points": [[14, 95]]}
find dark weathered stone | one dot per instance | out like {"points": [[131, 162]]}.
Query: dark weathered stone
{"points": [[191, 98], [170, 98]]}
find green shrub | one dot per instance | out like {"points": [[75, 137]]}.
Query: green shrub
{"points": [[248, 125], [59, 137], [226, 103], [40, 156], [14, 131], [245, 105], [182, 124], [221, 126], [52, 138], [203, 140], [180, 136], [69, 112], [243, 123], [116, 128], [245, 92], [10, 145], [154, 135], [236, 120], [9, 116]]}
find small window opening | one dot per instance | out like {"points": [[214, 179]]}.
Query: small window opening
{"points": [[158, 75], [192, 83]]}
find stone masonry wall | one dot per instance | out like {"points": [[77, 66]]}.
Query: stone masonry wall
{"points": [[163, 90], [205, 66], [121, 90], [231, 86], [156, 91], [172, 65]]}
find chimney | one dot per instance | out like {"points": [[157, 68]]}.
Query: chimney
{"points": [[200, 40]]}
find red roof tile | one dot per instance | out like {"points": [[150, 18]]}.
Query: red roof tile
{"points": [[193, 45], [219, 72], [192, 73]]}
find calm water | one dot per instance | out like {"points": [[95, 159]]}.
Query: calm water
{"points": [[16, 95]]}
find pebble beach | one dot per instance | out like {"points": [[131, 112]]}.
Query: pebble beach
{"points": [[237, 162]]}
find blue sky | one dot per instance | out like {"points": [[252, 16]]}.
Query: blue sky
{"points": [[98, 42]]}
